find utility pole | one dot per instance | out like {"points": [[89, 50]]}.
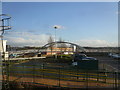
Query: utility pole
{"points": [[0, 71], [4, 25]]}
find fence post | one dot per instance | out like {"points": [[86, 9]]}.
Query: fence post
{"points": [[77, 73], [59, 76], [33, 73], [105, 75], [0, 71], [118, 80], [86, 80], [43, 69], [105, 68], [97, 76], [115, 80]]}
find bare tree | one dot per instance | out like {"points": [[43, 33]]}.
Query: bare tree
{"points": [[50, 40], [72, 48], [62, 46]]}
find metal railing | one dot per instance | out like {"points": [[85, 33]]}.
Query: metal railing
{"points": [[44, 73]]}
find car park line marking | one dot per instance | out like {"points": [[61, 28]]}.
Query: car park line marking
{"points": [[115, 69]]}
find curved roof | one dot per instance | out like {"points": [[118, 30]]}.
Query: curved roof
{"points": [[53, 43]]}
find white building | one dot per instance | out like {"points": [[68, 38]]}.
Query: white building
{"points": [[3, 47]]}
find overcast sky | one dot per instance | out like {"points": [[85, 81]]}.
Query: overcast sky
{"points": [[83, 23]]}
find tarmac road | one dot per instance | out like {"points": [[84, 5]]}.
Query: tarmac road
{"points": [[111, 63]]}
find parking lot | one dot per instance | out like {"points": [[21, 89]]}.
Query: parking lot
{"points": [[109, 62]]}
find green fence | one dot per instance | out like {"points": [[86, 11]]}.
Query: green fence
{"points": [[88, 78]]}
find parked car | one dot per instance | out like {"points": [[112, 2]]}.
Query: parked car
{"points": [[114, 55], [82, 57], [78, 57]]}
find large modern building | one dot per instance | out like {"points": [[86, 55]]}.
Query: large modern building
{"points": [[59, 51]]}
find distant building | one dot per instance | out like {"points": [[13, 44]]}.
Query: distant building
{"points": [[102, 49]]}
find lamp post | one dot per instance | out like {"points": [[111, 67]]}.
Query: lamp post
{"points": [[55, 27]]}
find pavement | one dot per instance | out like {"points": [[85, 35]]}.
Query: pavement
{"points": [[26, 58]]}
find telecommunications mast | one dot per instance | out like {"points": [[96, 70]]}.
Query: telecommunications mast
{"points": [[4, 25]]}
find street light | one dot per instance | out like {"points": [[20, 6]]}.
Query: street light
{"points": [[55, 27]]}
